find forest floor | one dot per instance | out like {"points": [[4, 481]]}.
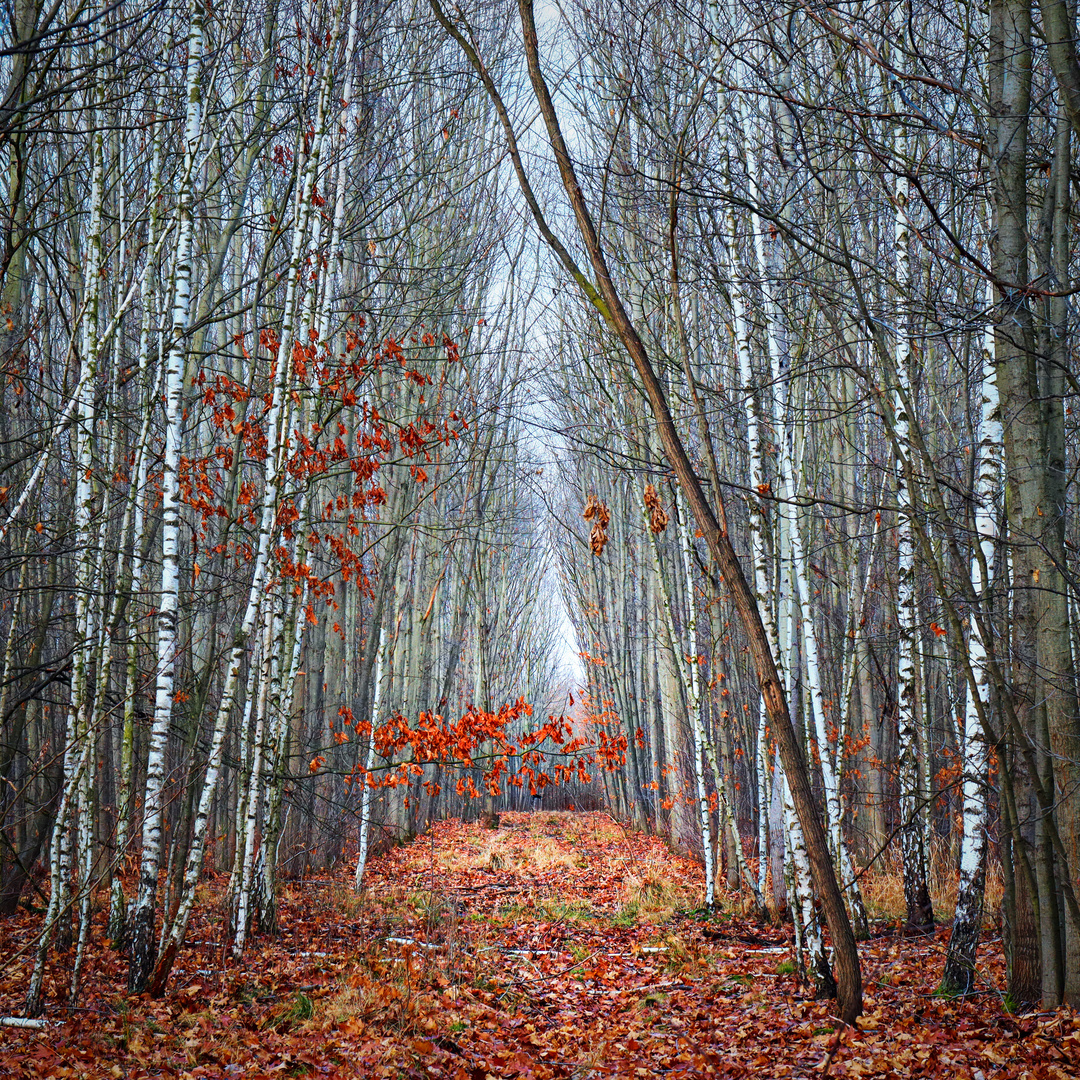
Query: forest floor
{"points": [[557, 945]]}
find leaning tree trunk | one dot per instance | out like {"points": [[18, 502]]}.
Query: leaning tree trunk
{"points": [[607, 300]]}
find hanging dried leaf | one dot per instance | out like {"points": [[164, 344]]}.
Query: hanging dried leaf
{"points": [[597, 539], [596, 512], [658, 519]]}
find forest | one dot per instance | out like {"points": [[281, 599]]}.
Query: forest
{"points": [[416, 411]]}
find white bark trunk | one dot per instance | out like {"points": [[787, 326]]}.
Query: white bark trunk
{"points": [[689, 677], [830, 782], [695, 705], [963, 941], [87, 542], [143, 950], [369, 761], [916, 892]]}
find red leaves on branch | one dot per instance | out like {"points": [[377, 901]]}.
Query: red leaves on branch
{"points": [[226, 482], [558, 750]]}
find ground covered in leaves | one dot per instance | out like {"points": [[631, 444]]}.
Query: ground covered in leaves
{"points": [[554, 946]]}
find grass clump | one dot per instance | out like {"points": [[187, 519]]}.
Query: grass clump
{"points": [[882, 886], [564, 910], [684, 955], [300, 1010], [654, 895]]}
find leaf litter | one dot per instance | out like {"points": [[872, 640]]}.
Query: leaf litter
{"points": [[556, 946]]}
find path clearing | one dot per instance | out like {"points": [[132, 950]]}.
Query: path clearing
{"points": [[557, 945]]}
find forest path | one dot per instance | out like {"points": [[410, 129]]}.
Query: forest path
{"points": [[557, 945]]}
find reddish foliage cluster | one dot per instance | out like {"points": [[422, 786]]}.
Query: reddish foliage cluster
{"points": [[328, 448], [547, 754]]}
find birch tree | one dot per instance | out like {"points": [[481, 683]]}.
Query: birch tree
{"points": [[959, 975], [143, 950]]}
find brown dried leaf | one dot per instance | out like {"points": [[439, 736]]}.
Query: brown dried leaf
{"points": [[600, 515], [658, 518]]}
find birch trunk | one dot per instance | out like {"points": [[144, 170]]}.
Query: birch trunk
{"points": [[694, 706], [811, 956], [71, 847], [87, 537], [143, 945], [369, 761], [254, 787], [959, 974], [920, 912], [281, 710], [830, 781]]}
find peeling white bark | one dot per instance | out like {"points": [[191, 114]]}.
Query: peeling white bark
{"points": [[913, 850], [143, 945], [369, 761], [967, 923]]}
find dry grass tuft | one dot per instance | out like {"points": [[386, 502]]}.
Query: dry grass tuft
{"points": [[651, 892], [348, 903], [511, 852], [883, 887], [594, 830], [460, 856], [544, 853], [684, 955], [363, 999], [348, 1003]]}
